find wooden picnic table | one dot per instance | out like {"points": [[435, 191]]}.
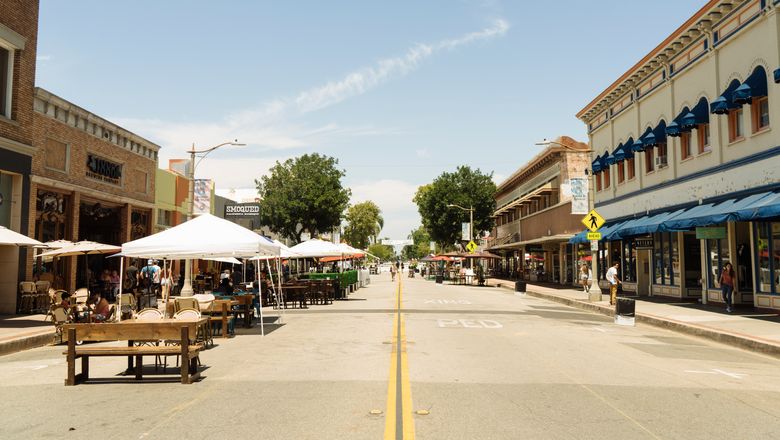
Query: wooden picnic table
{"points": [[224, 306], [131, 330], [298, 294]]}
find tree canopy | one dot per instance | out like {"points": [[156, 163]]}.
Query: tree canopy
{"points": [[421, 246], [382, 251], [464, 187], [364, 222], [303, 194]]}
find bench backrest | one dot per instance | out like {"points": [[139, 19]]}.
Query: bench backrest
{"points": [[131, 330]]}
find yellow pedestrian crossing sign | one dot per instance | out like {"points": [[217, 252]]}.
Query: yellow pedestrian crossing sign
{"points": [[593, 221], [471, 247]]}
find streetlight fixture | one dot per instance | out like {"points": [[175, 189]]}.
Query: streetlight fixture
{"points": [[595, 294], [470, 209], [186, 290]]}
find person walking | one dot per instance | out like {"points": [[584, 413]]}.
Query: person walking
{"points": [[727, 284], [393, 269], [585, 278], [612, 278]]}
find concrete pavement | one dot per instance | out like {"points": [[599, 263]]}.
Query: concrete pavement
{"points": [[746, 327]]}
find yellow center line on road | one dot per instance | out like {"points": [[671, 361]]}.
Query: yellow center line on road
{"points": [[399, 423]]}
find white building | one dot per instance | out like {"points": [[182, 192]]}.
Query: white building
{"points": [[686, 163]]}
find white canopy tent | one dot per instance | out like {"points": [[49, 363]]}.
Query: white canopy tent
{"points": [[9, 237], [317, 248], [205, 236]]}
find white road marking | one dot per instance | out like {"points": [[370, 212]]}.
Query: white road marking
{"points": [[717, 371], [447, 301], [468, 323]]}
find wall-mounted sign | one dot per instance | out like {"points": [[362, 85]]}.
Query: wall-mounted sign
{"points": [[104, 170], [579, 195], [242, 210], [643, 243], [711, 233]]}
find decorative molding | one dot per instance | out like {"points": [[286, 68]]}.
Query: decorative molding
{"points": [[17, 147]]}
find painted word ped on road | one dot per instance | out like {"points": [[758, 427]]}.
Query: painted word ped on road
{"points": [[468, 323], [593, 221]]}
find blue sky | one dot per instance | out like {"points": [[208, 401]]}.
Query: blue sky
{"points": [[398, 91]]}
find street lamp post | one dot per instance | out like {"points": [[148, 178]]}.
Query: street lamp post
{"points": [[186, 289], [470, 209], [595, 291]]}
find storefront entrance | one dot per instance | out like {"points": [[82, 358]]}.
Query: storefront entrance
{"points": [[692, 282]]}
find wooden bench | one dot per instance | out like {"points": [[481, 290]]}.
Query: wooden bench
{"points": [[133, 331]]}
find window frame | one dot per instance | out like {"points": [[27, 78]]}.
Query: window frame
{"points": [[606, 181], [663, 148], [9, 85], [649, 160], [685, 145], [736, 125], [630, 168], [598, 181], [621, 175], [704, 138], [755, 114]]}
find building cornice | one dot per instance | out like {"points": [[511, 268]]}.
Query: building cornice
{"points": [[542, 160], [61, 110], [679, 41]]}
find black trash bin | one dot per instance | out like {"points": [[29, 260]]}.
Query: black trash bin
{"points": [[520, 286], [439, 279], [625, 307]]}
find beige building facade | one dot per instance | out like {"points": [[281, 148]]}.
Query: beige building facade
{"points": [[686, 159]]}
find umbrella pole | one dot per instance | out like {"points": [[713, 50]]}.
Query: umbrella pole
{"points": [[118, 312]]}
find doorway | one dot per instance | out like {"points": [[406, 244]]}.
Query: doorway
{"points": [[643, 272], [692, 260], [743, 262]]}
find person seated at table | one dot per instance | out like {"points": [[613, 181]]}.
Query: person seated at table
{"points": [[225, 286], [100, 307], [65, 300]]}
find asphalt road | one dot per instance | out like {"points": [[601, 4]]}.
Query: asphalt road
{"points": [[483, 362]]}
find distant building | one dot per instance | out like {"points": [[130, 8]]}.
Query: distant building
{"points": [[533, 216], [686, 160]]}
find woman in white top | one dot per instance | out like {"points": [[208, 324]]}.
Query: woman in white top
{"points": [[585, 278]]}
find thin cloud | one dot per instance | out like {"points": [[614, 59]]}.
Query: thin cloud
{"points": [[271, 126]]}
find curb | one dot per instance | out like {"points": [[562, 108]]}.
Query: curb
{"points": [[26, 343], [738, 340]]}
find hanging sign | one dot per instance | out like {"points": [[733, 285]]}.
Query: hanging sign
{"points": [[579, 195], [465, 232], [711, 233], [594, 236]]}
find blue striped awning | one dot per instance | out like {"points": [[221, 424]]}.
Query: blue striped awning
{"points": [[753, 87]]}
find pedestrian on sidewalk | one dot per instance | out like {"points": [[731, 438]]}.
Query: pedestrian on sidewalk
{"points": [[585, 278], [727, 284], [393, 269], [612, 277]]}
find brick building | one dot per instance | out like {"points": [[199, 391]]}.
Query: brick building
{"points": [[18, 41], [90, 180], [533, 216]]}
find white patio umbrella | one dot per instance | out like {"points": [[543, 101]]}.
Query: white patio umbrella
{"points": [[84, 247], [9, 237], [317, 248]]}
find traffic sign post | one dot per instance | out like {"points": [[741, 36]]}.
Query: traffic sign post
{"points": [[593, 221], [471, 247]]}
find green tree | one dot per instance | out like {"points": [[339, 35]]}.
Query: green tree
{"points": [[464, 187], [364, 222], [303, 194], [382, 251], [421, 246]]}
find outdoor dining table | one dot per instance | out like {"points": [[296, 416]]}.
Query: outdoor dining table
{"points": [[298, 292], [224, 306]]}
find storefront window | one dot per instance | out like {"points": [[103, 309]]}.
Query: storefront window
{"points": [[674, 278], [629, 261], [764, 263], [776, 255], [658, 259], [717, 256]]}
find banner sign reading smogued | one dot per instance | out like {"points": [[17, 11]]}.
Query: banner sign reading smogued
{"points": [[242, 210]]}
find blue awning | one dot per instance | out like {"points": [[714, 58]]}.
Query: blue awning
{"points": [[638, 146], [712, 213], [608, 159], [609, 232], [619, 154], [596, 165], [753, 87], [763, 208], [579, 238], [628, 151], [644, 225], [723, 103], [659, 134], [777, 75], [700, 113], [673, 129]]}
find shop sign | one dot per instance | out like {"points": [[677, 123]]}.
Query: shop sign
{"points": [[711, 233], [103, 170], [242, 210], [643, 243]]}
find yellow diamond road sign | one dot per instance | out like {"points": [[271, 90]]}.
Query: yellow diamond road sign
{"points": [[593, 221], [471, 247]]}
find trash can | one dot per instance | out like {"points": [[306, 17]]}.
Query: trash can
{"points": [[520, 286], [625, 309], [439, 279]]}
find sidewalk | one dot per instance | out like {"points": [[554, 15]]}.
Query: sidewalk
{"points": [[22, 332], [745, 328]]}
